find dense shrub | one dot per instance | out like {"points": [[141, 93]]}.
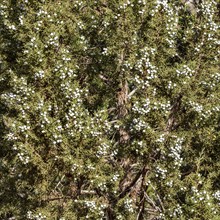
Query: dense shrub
{"points": [[109, 109]]}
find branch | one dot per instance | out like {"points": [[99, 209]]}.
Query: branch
{"points": [[83, 192], [121, 59], [133, 182], [58, 183], [132, 93], [161, 204], [108, 81], [160, 201], [171, 123], [140, 213], [151, 201], [57, 198], [142, 202]]}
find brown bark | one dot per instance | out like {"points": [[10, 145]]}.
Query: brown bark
{"points": [[172, 121], [122, 100]]}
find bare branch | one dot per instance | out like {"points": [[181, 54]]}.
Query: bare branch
{"points": [[58, 183], [132, 93], [159, 199], [149, 200], [83, 192]]}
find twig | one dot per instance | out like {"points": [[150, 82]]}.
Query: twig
{"points": [[83, 192], [132, 93], [57, 198], [151, 201], [58, 183], [142, 202], [158, 197]]}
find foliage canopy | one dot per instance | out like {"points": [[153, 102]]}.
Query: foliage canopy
{"points": [[109, 109]]}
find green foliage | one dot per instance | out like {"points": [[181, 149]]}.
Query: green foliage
{"points": [[109, 109]]}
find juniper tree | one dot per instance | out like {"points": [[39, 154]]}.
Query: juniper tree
{"points": [[109, 109]]}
